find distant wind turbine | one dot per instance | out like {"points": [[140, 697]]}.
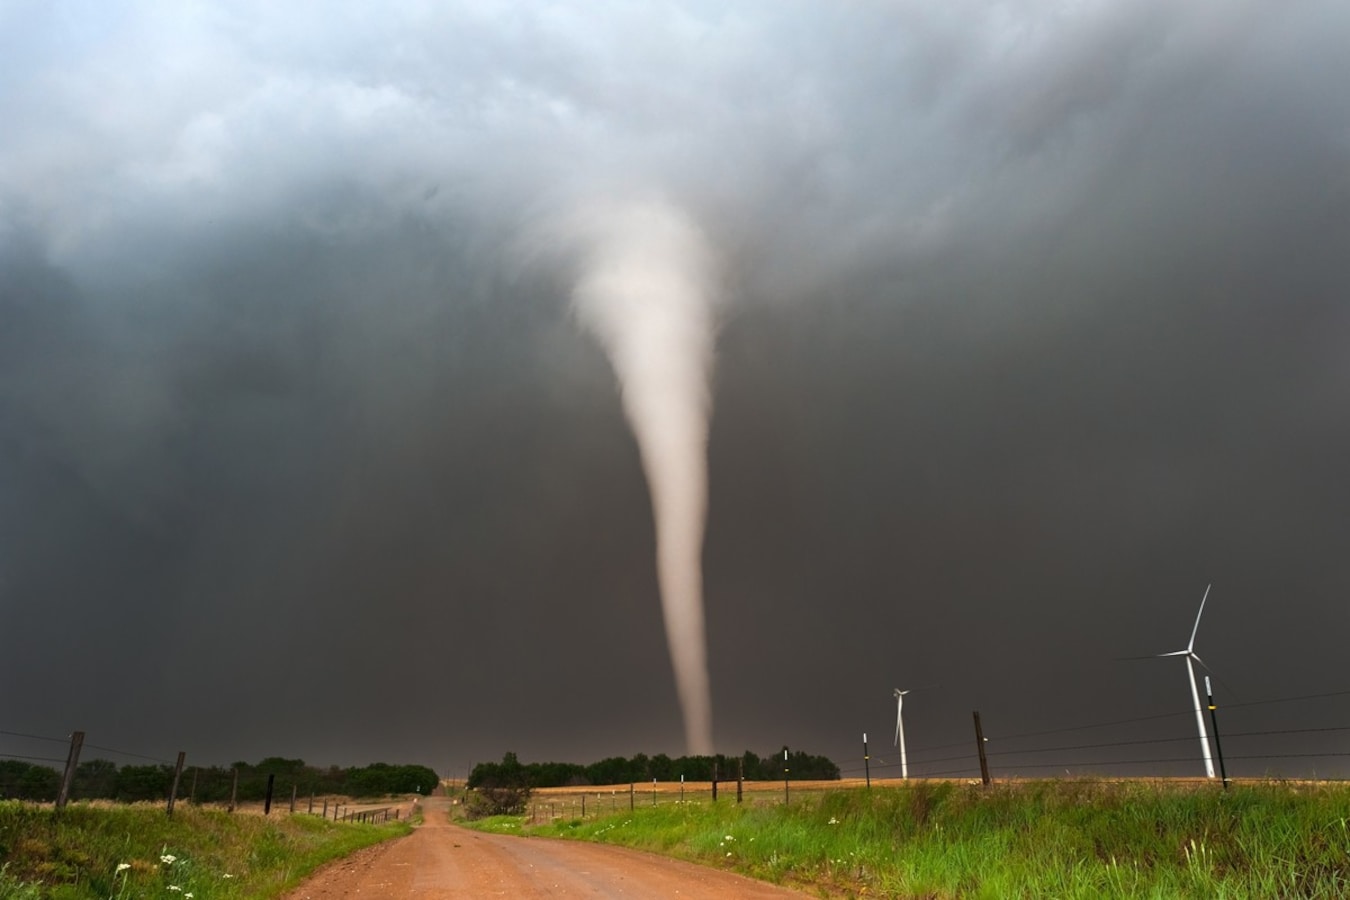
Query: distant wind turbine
{"points": [[1189, 655], [900, 731]]}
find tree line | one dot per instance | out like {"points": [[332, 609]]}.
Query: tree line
{"points": [[620, 770], [100, 779]]}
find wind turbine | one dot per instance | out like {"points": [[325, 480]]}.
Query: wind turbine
{"points": [[1189, 655], [900, 731]]}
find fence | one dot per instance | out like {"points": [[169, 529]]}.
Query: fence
{"points": [[27, 776], [1237, 742], [582, 802]]}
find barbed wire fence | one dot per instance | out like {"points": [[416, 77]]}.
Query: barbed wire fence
{"points": [[44, 776], [1006, 756], [1021, 754]]}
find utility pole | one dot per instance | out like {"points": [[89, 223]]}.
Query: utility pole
{"points": [[1214, 721]]}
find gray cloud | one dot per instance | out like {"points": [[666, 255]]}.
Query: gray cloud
{"points": [[1036, 326]]}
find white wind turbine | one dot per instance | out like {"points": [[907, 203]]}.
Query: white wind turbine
{"points": [[900, 731], [1189, 655]]}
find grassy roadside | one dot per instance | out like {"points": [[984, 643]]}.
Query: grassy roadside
{"points": [[137, 851], [1062, 839]]}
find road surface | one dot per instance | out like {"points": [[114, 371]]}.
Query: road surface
{"points": [[440, 860]]}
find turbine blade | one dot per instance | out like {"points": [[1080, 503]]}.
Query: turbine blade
{"points": [[1191, 645], [1201, 662]]}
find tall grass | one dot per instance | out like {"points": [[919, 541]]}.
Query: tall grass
{"points": [[1062, 839], [119, 852]]}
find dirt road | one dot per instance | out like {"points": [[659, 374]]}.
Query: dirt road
{"points": [[439, 860]]}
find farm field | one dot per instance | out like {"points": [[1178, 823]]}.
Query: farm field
{"points": [[954, 839]]}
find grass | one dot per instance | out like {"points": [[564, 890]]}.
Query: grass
{"points": [[1061, 839], [90, 851]]}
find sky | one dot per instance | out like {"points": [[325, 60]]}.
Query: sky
{"points": [[1028, 323]]}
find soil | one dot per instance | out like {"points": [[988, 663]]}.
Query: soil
{"points": [[441, 860]]}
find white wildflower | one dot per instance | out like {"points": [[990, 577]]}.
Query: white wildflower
{"points": [[833, 820], [174, 887], [168, 859], [122, 867]]}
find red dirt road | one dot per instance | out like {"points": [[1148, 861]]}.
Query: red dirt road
{"points": [[439, 860]]}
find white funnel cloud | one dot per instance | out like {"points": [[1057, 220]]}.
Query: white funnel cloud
{"points": [[646, 289]]}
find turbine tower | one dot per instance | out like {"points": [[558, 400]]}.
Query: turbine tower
{"points": [[1189, 655], [900, 731]]}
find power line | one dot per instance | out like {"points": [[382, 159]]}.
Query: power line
{"points": [[1027, 734], [128, 753], [993, 753], [36, 737], [1287, 731], [1288, 699], [37, 758]]}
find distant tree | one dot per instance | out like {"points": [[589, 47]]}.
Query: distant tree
{"points": [[662, 768], [135, 783], [613, 770], [381, 778], [11, 777], [498, 789], [96, 778], [21, 780], [40, 783], [642, 768]]}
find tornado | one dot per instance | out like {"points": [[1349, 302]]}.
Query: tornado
{"points": [[645, 288]]}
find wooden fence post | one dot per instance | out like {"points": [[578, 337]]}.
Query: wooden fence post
{"points": [[267, 801], [979, 743], [234, 788], [72, 761], [867, 762], [177, 774]]}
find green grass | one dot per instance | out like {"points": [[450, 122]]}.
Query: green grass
{"points": [[1061, 839], [137, 851]]}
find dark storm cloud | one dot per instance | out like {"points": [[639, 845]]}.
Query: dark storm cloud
{"points": [[1037, 327]]}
